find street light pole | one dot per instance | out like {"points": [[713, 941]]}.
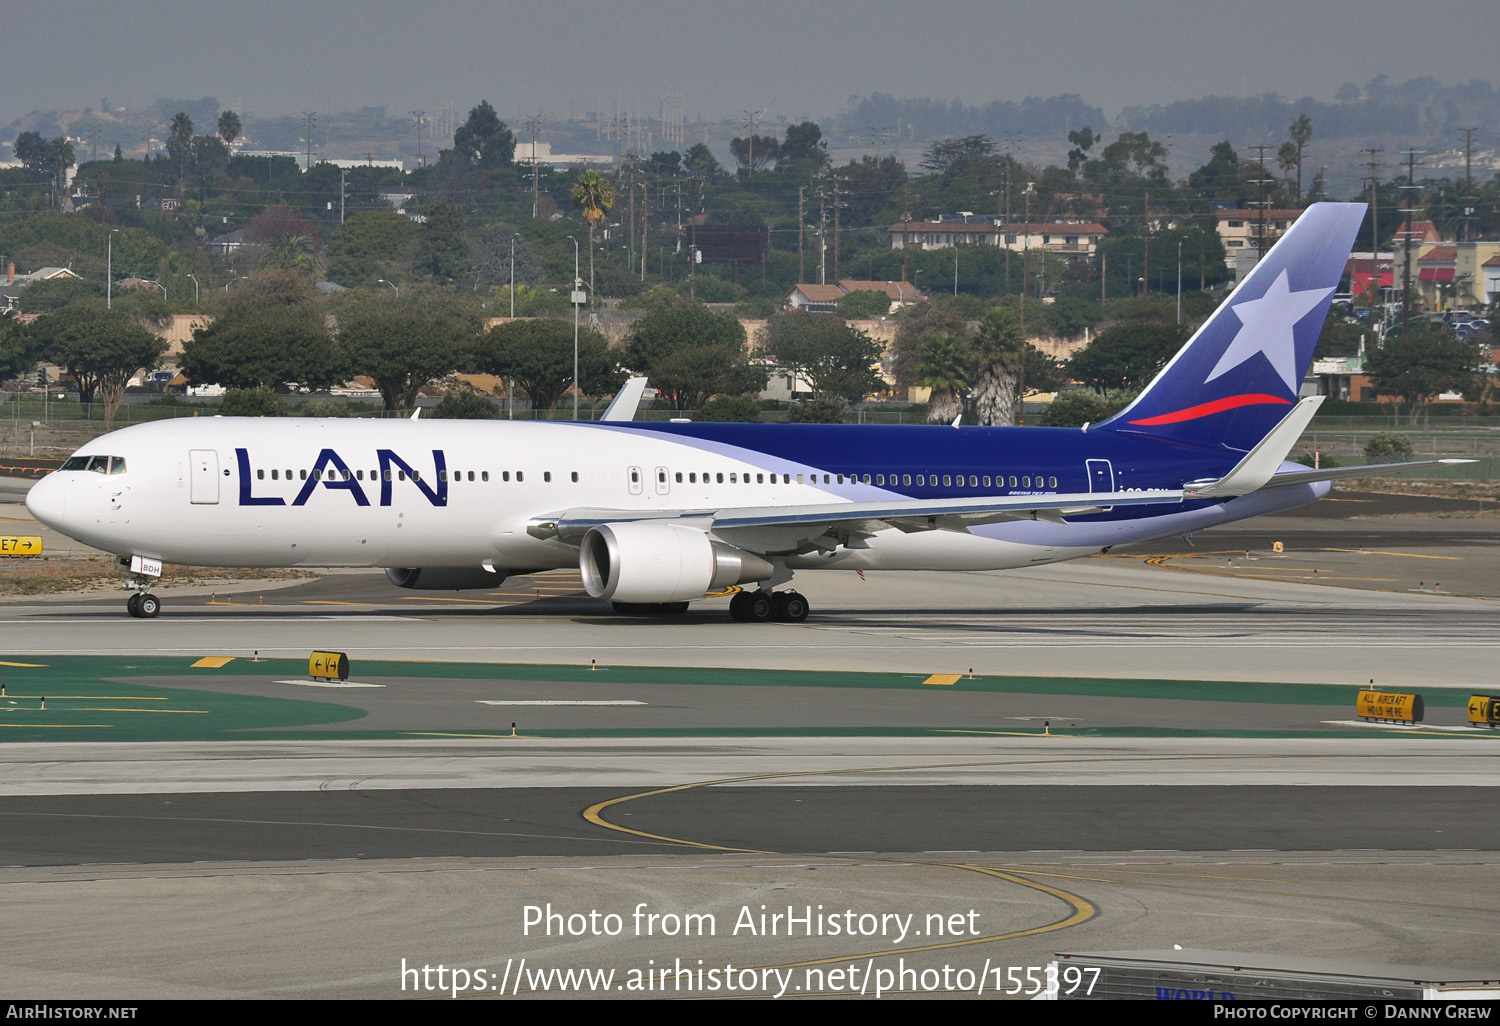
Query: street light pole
{"points": [[510, 402], [1179, 281], [577, 282], [109, 269], [513, 237], [195, 288]]}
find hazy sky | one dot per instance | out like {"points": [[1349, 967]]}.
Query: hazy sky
{"points": [[796, 57]]}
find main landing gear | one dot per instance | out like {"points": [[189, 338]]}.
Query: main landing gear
{"points": [[763, 606]]}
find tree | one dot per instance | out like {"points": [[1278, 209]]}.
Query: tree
{"points": [[667, 330], [17, 348], [864, 304], [31, 150], [275, 222], [402, 344], [1127, 355], [229, 127], [754, 152], [1083, 140], [1081, 406], [945, 370], [1301, 131], [253, 347], [915, 327], [836, 359], [443, 255], [538, 355], [101, 349], [691, 355], [180, 142], [804, 149], [1223, 178], [483, 140], [464, 406], [1388, 447], [999, 368], [369, 246], [593, 194], [1423, 362], [492, 257], [701, 163]]}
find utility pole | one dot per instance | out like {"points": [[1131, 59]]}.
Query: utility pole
{"points": [[801, 189], [343, 179], [418, 116], [835, 229], [822, 238], [645, 221], [1260, 233], [1468, 180], [311, 116], [534, 121], [1146, 241], [1409, 210], [1375, 229]]}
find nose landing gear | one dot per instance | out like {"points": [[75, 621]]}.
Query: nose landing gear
{"points": [[143, 605]]}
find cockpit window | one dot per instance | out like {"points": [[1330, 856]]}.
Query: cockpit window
{"points": [[98, 464]]}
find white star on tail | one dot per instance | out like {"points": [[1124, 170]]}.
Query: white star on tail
{"points": [[1266, 327]]}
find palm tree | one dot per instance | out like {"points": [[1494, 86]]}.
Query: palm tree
{"points": [[1301, 132], [593, 194], [60, 156], [229, 126], [945, 370], [180, 141], [1000, 358]]}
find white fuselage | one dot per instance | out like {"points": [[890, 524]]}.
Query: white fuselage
{"points": [[217, 491]]}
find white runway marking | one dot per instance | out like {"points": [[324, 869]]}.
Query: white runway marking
{"points": [[496, 701], [329, 684]]}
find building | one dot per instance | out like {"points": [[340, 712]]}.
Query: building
{"points": [[1248, 233], [1071, 240], [825, 298], [14, 284]]}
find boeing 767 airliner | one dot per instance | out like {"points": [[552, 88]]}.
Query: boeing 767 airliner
{"points": [[656, 515]]}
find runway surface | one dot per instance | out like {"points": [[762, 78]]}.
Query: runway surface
{"points": [[313, 867]]}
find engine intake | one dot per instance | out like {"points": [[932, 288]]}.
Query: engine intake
{"points": [[444, 578], [661, 562]]}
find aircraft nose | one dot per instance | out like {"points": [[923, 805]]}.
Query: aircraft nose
{"points": [[47, 501]]}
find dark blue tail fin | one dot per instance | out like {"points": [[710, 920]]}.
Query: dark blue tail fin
{"points": [[1239, 375]]}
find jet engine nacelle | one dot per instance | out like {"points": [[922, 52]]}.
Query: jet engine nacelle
{"points": [[444, 578], [659, 562]]}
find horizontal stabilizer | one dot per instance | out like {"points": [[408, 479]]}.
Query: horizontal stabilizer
{"points": [[1261, 463], [1292, 477]]}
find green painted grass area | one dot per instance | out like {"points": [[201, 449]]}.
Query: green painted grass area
{"points": [[1196, 690], [84, 702], [86, 699]]}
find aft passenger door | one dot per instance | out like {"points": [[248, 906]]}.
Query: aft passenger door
{"points": [[1101, 478]]}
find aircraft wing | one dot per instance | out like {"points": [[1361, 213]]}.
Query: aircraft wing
{"points": [[792, 525]]}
